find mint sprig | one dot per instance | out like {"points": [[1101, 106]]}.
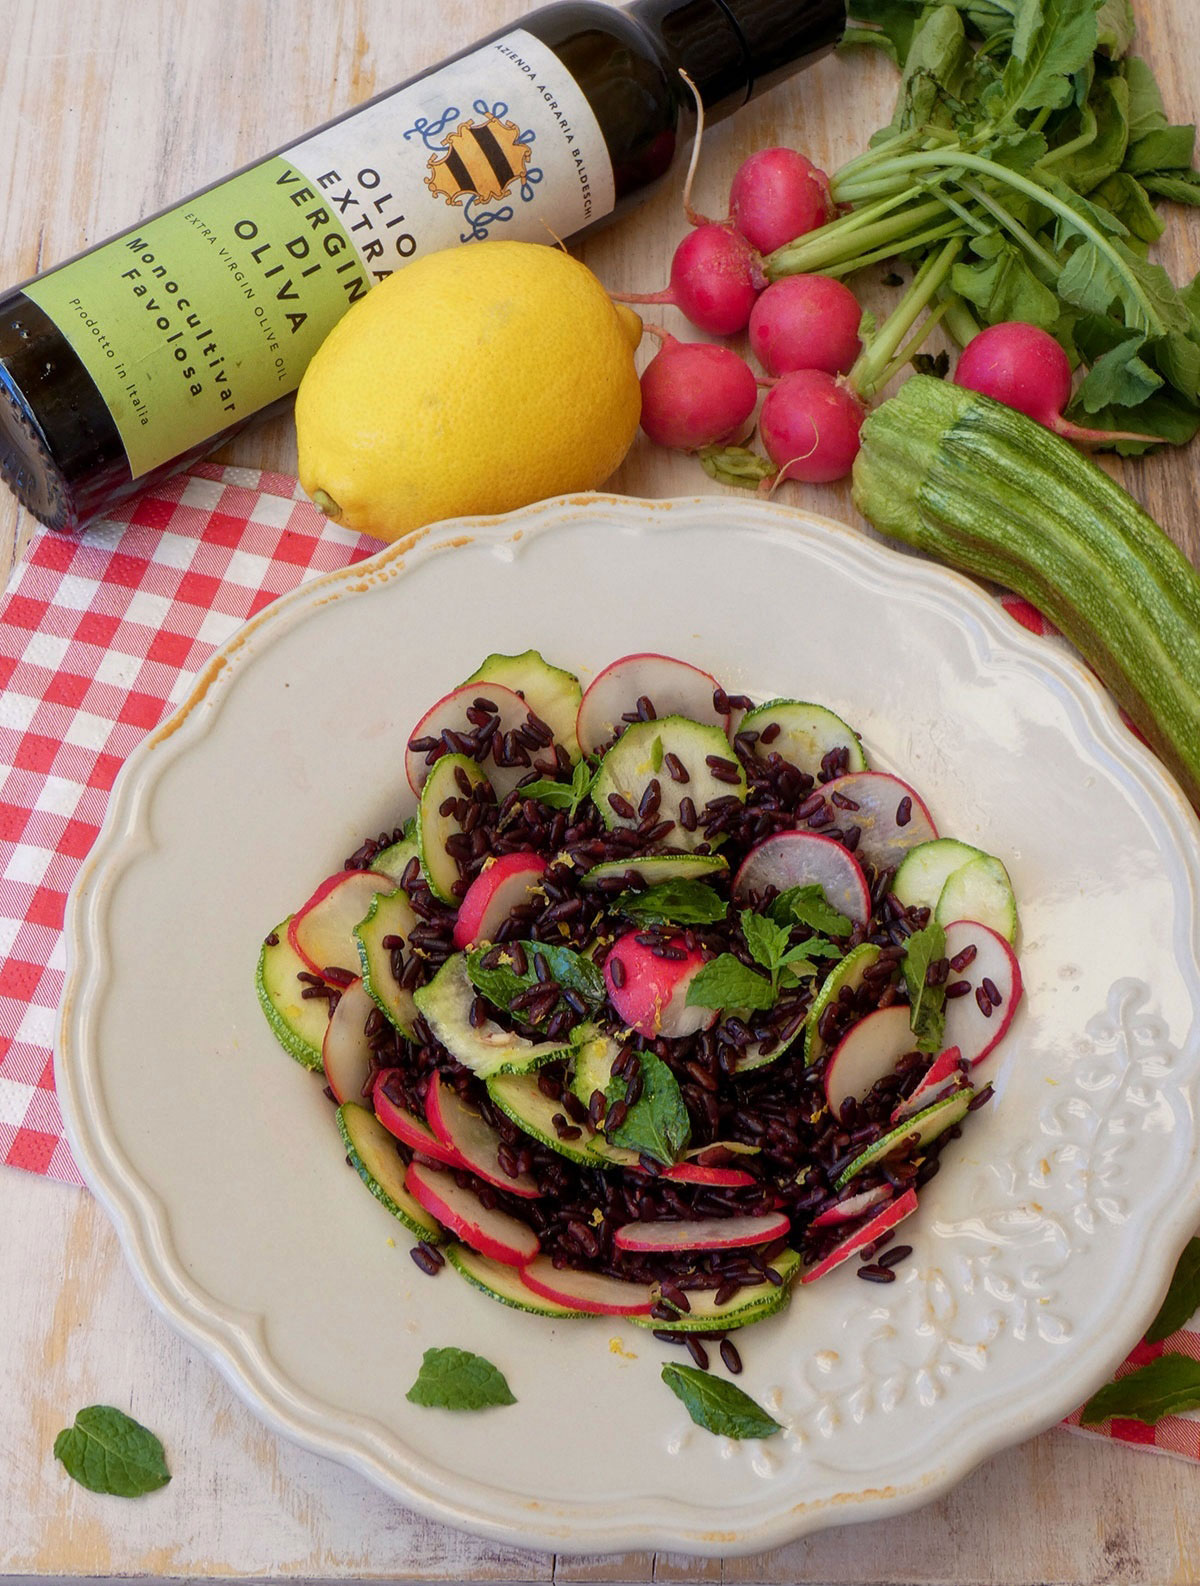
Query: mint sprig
{"points": [[726, 982], [562, 795], [808, 905], [456, 1379], [927, 1004], [108, 1451], [673, 903]]}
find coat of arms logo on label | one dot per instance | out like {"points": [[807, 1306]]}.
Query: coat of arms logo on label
{"points": [[482, 161]]}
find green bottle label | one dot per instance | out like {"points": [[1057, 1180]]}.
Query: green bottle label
{"points": [[210, 312]]}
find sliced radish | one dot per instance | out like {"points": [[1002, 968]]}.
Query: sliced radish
{"points": [[461, 1129], [674, 688], [593, 1292], [702, 1233], [716, 1177], [322, 932], [852, 1207], [496, 891], [888, 825], [490, 1231], [967, 1026], [867, 1053], [903, 1206], [345, 1051], [652, 994], [938, 1077], [800, 859], [407, 1126], [450, 715]]}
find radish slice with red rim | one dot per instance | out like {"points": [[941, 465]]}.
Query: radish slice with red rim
{"points": [[496, 891], [345, 1051], [800, 859], [867, 1053], [890, 816], [450, 715], [702, 1233], [851, 1207], [650, 993], [322, 931], [406, 1126], [487, 1229], [594, 1292], [674, 688], [942, 1076], [993, 970], [460, 1128], [883, 1222]]}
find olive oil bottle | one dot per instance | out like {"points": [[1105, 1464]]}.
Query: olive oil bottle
{"points": [[143, 353]]}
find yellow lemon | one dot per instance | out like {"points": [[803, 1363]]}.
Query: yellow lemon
{"points": [[472, 381]]}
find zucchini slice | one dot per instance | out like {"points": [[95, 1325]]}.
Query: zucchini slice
{"points": [[980, 890], [752, 1304], [433, 828], [656, 868], [487, 1049], [925, 869], [848, 972], [551, 693], [390, 914], [807, 733], [373, 1155], [926, 1125], [503, 1283], [297, 1022], [395, 859], [637, 759]]}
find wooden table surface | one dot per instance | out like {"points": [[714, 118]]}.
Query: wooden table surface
{"points": [[109, 111]]}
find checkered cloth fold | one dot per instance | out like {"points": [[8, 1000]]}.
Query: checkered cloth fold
{"points": [[100, 639]]}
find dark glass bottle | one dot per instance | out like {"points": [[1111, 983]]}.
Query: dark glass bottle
{"points": [[591, 92]]}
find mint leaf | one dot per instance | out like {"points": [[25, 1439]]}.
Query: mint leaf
{"points": [[809, 906], [1183, 1297], [455, 1379], [1167, 1386], [927, 1004], [562, 795], [767, 941], [674, 902], [107, 1451], [718, 1406], [571, 970], [727, 983], [657, 1123]]}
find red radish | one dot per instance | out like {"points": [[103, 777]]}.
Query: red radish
{"points": [[593, 1292], [1025, 368], [322, 930], [867, 1053], [715, 1177], [408, 1127], [650, 993], [890, 816], [492, 1232], [800, 859], [675, 688], [503, 885], [695, 394], [715, 277], [895, 1212], [345, 1051], [473, 1140], [810, 425], [852, 1207], [702, 1233], [450, 714], [937, 1080], [806, 322], [776, 196], [967, 1026]]}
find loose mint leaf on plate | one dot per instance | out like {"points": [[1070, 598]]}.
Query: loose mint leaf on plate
{"points": [[657, 1124], [1167, 1386], [675, 903], [107, 1451], [927, 1004], [727, 983], [1183, 1297], [718, 1406], [456, 1379]]}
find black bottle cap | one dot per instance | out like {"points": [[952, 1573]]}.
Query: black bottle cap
{"points": [[734, 50]]}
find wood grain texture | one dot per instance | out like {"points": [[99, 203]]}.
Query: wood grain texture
{"points": [[109, 111]]}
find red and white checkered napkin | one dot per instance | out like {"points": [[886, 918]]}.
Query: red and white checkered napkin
{"points": [[100, 638]]}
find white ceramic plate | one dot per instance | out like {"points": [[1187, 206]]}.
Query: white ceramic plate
{"points": [[1043, 1247]]}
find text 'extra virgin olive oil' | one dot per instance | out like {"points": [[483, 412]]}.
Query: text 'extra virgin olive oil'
{"points": [[145, 352]]}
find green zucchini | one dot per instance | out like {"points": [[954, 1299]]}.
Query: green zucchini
{"points": [[981, 486]]}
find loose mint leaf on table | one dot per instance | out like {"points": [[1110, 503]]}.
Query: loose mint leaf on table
{"points": [[109, 1452], [728, 983], [1183, 1297], [455, 1379], [571, 970], [657, 1124], [673, 902], [1167, 1386], [927, 1004], [718, 1406]]}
